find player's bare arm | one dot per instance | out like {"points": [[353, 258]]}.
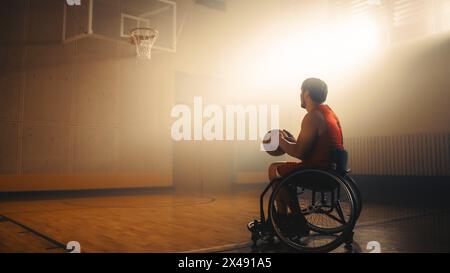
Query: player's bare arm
{"points": [[306, 139]]}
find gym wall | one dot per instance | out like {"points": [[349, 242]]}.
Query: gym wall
{"points": [[83, 115]]}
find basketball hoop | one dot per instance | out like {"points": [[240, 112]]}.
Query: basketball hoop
{"points": [[144, 38]]}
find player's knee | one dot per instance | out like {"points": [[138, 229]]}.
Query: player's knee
{"points": [[272, 171]]}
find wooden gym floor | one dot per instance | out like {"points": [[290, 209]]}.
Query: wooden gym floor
{"points": [[169, 222]]}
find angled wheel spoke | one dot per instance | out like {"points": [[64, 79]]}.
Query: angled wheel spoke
{"points": [[342, 220], [339, 211]]}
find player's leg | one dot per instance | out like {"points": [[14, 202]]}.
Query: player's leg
{"points": [[273, 174], [293, 223], [288, 197]]}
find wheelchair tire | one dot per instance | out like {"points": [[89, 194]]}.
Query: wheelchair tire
{"points": [[358, 196], [336, 239], [357, 201]]}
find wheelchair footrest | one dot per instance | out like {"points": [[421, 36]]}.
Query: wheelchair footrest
{"points": [[260, 231]]}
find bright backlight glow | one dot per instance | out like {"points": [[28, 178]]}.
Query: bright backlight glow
{"points": [[319, 50]]}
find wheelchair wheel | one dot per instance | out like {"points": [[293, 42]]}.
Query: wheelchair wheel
{"points": [[324, 200], [326, 224], [358, 196]]}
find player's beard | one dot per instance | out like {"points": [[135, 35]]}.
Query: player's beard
{"points": [[302, 101]]}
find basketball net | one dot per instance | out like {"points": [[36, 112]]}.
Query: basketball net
{"points": [[144, 39]]}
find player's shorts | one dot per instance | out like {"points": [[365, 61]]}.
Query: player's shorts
{"points": [[309, 181], [288, 167]]}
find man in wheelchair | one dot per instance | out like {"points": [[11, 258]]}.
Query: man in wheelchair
{"points": [[320, 133]]}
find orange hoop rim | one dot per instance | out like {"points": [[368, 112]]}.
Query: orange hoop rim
{"points": [[136, 38]]}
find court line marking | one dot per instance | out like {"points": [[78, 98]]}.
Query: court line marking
{"points": [[236, 246], [86, 207], [175, 204], [56, 243], [221, 248], [400, 218], [230, 247], [227, 247]]}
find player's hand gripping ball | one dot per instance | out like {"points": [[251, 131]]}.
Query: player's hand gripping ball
{"points": [[272, 148]]}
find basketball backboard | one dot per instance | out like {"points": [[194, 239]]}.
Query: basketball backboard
{"points": [[114, 19]]}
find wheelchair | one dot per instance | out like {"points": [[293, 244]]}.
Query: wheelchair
{"points": [[329, 201]]}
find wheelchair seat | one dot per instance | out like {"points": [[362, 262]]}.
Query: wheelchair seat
{"points": [[317, 182]]}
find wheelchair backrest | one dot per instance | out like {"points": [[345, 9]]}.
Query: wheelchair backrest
{"points": [[339, 158]]}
